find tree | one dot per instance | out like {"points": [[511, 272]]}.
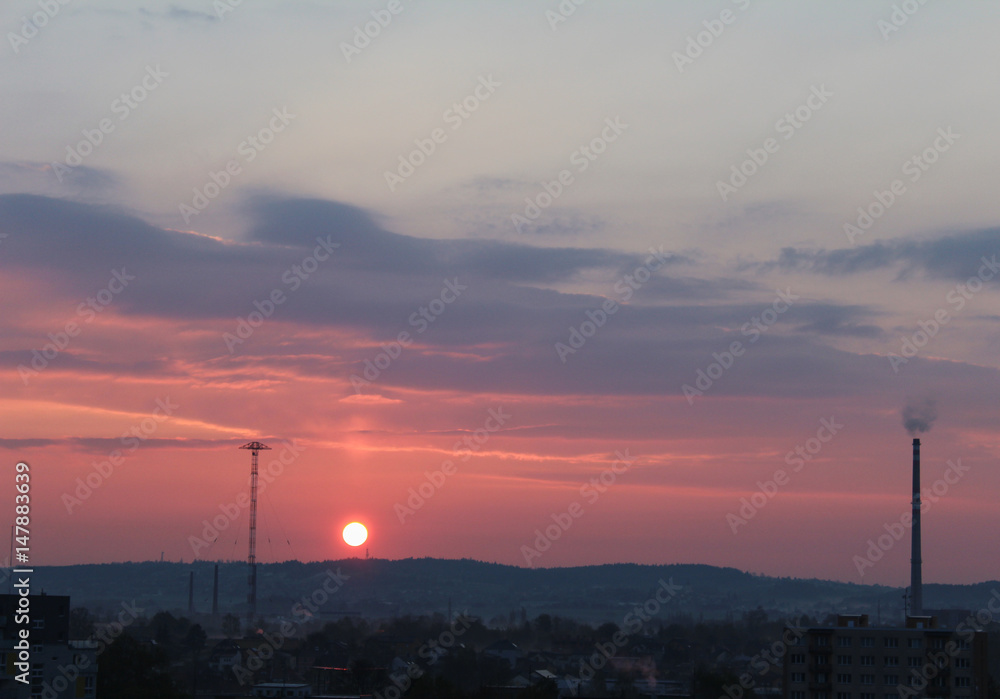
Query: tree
{"points": [[194, 641], [756, 620], [128, 669], [162, 627], [195, 638], [81, 623], [709, 684], [606, 630], [231, 625], [361, 670]]}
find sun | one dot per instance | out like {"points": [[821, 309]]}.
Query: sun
{"points": [[355, 534]]}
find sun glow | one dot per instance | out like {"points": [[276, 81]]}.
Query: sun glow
{"points": [[355, 534]]}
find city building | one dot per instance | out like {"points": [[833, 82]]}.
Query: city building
{"points": [[58, 668], [854, 660]]}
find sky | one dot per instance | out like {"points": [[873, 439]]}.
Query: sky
{"points": [[540, 283]]}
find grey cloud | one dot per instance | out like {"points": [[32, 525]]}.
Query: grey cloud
{"points": [[957, 256], [500, 335], [299, 221]]}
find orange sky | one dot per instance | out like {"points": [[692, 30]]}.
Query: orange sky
{"points": [[240, 250]]}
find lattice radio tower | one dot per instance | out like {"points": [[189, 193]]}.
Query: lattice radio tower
{"points": [[254, 447]]}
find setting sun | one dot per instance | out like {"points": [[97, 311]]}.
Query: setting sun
{"points": [[355, 534]]}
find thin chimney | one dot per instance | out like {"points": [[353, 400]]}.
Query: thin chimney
{"points": [[215, 592], [916, 581]]}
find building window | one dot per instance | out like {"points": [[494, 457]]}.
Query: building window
{"points": [[867, 679], [916, 643], [798, 677], [867, 642], [797, 658], [820, 695], [843, 660], [890, 680], [844, 641], [867, 695], [962, 682], [867, 660], [914, 661], [822, 640], [961, 662], [843, 695], [844, 678], [891, 642], [38, 623], [798, 695], [821, 678], [892, 661], [937, 643]]}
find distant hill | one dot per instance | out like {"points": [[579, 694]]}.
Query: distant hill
{"points": [[378, 588]]}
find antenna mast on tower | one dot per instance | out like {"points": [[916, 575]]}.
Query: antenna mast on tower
{"points": [[254, 447]]}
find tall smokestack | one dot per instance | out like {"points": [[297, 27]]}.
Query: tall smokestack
{"points": [[215, 592], [916, 581]]}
